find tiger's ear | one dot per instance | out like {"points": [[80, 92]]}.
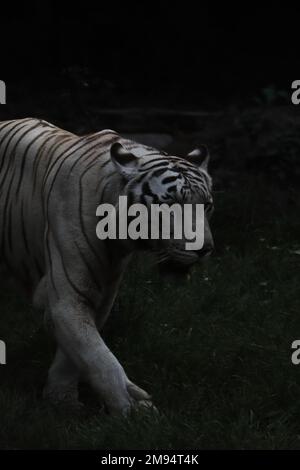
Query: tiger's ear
{"points": [[125, 162], [199, 157]]}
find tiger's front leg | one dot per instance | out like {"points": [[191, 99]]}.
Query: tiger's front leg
{"points": [[79, 339], [62, 381], [72, 310]]}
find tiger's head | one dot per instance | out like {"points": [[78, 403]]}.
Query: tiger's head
{"points": [[159, 178]]}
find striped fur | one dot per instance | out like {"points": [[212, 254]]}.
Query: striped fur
{"points": [[51, 182]]}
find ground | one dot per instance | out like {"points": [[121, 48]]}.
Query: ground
{"points": [[214, 352]]}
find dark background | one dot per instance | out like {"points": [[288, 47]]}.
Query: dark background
{"points": [[180, 55]]}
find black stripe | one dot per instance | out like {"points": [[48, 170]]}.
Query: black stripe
{"points": [[172, 188], [91, 149], [146, 189], [7, 133], [23, 162], [91, 247], [89, 268], [9, 229], [161, 163], [37, 161], [58, 169], [50, 259], [157, 173], [169, 179], [10, 185], [55, 147], [157, 160], [86, 153], [24, 236], [74, 287], [100, 185], [7, 145]]}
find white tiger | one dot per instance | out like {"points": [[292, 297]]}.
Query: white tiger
{"points": [[51, 182]]}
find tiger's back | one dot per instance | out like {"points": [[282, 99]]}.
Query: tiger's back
{"points": [[31, 156]]}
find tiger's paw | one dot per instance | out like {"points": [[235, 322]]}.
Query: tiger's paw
{"points": [[66, 399], [141, 400]]}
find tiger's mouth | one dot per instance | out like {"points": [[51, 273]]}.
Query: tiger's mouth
{"points": [[173, 270], [180, 266], [171, 263]]}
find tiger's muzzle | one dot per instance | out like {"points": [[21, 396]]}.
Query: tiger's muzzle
{"points": [[180, 266]]}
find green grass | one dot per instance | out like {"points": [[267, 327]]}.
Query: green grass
{"points": [[214, 352]]}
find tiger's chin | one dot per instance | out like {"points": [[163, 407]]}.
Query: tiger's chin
{"points": [[173, 270]]}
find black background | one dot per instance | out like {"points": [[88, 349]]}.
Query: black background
{"points": [[179, 54]]}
